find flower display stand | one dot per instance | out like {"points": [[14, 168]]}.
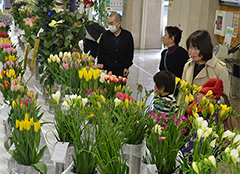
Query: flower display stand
{"points": [[60, 167], [15, 168], [133, 155]]}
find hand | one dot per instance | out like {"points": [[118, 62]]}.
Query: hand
{"points": [[125, 72], [199, 97]]}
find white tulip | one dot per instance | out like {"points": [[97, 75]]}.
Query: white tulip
{"points": [[51, 56], [56, 96], [61, 54], [58, 60], [236, 139], [65, 54], [49, 60], [213, 160], [69, 54]]}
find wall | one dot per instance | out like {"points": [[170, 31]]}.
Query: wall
{"points": [[192, 15], [145, 27]]}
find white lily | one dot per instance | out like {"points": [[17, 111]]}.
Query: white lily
{"points": [[234, 155], [199, 133], [236, 139], [213, 143], [117, 101], [84, 101], [195, 167], [65, 104], [199, 121], [56, 96], [228, 134], [213, 160]]}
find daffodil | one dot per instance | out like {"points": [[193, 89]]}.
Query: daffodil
{"points": [[177, 79]]}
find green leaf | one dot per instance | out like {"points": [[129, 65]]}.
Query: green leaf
{"points": [[33, 37], [78, 16], [67, 43], [41, 167], [40, 154], [6, 145], [45, 9], [46, 52]]}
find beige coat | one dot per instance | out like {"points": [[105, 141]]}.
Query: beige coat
{"points": [[214, 68]]}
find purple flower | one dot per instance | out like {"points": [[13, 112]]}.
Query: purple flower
{"points": [[163, 115], [184, 131], [59, 87], [174, 119], [177, 123], [165, 121], [160, 138], [183, 118], [137, 124], [163, 125]]}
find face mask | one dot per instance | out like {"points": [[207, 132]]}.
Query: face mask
{"points": [[112, 28]]}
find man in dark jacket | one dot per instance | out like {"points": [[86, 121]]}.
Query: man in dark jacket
{"points": [[116, 47]]}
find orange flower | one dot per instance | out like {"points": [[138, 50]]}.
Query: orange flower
{"points": [[2, 86]]}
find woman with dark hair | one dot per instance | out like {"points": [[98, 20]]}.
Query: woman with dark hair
{"points": [[174, 58], [203, 65]]}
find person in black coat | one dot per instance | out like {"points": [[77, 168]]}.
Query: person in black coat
{"points": [[174, 58], [90, 42], [116, 47]]}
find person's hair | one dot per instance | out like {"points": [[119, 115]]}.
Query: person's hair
{"points": [[117, 16], [175, 32], [201, 40], [165, 79]]}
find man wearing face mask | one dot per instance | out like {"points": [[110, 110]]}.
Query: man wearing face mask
{"points": [[116, 47]]}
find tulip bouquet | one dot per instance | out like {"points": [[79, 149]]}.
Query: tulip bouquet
{"points": [[5, 79], [17, 66], [26, 136]]}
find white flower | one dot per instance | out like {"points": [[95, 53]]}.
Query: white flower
{"points": [[117, 101], [227, 150], [213, 160], [199, 133], [65, 104], [56, 96], [58, 60], [49, 60], [61, 54], [195, 167], [212, 144], [199, 121], [204, 124], [157, 129], [236, 139], [228, 134], [234, 155], [51, 56], [79, 97], [84, 101], [56, 56], [102, 77], [73, 96], [207, 132], [69, 54], [65, 54], [238, 148]]}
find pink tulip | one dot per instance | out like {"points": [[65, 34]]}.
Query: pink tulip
{"points": [[19, 79], [163, 115], [110, 73], [124, 80], [65, 65], [12, 87], [19, 87], [160, 138]]}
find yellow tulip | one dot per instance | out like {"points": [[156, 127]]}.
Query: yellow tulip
{"points": [[186, 99], [13, 104], [17, 123], [127, 102], [20, 75], [80, 73], [35, 104], [26, 116], [96, 74], [1, 77], [139, 104], [8, 74], [90, 74], [22, 106], [31, 121], [36, 126], [28, 125], [21, 124], [25, 124]]}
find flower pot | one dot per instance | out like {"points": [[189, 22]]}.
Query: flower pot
{"points": [[15, 168], [60, 167], [133, 155]]}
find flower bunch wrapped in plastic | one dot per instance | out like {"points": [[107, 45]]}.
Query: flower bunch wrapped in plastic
{"points": [[26, 134]]}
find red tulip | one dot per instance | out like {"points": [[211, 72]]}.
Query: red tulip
{"points": [[91, 3], [86, 2]]}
